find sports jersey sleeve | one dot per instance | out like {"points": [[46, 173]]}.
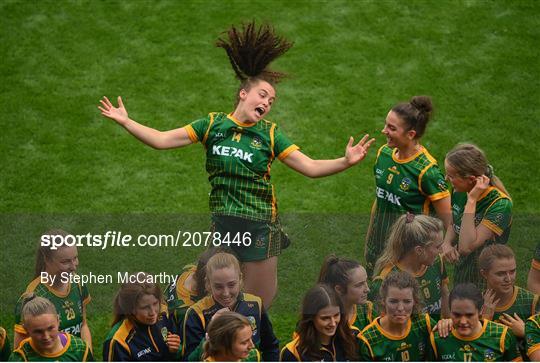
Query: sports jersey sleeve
{"points": [[498, 216], [115, 352], [197, 130], [365, 351], [88, 356], [511, 350], [433, 184], [269, 345], [282, 145], [192, 333], [532, 334]]}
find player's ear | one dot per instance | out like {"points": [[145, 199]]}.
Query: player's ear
{"points": [[411, 134], [339, 289], [483, 273], [242, 95]]}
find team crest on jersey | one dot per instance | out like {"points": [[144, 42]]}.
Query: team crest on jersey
{"points": [[256, 143], [253, 324], [489, 355], [259, 243], [405, 184], [164, 333], [441, 184], [498, 218]]}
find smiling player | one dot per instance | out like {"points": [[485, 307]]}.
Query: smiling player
{"points": [[240, 148], [407, 177]]}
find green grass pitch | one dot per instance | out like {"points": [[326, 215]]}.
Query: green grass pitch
{"points": [[64, 164]]}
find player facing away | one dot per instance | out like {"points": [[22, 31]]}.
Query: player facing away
{"points": [[481, 211], [323, 332], [414, 246], [402, 332], [224, 283], [229, 339], [140, 329], [69, 298], [45, 342], [240, 148], [407, 177], [504, 302], [473, 339], [349, 280]]}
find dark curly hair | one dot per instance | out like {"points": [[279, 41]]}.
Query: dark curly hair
{"points": [[250, 50]]}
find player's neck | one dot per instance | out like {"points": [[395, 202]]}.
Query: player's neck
{"points": [[393, 328], [55, 348], [406, 151], [504, 298], [410, 264]]}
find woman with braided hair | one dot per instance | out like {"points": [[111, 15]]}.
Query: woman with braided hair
{"points": [[240, 148]]}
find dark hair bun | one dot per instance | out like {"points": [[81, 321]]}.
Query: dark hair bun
{"points": [[422, 104]]}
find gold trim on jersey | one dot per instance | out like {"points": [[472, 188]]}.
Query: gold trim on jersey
{"points": [[120, 337], [533, 349], [288, 151], [492, 227], [510, 303], [191, 133], [267, 176], [152, 339], [181, 290], [438, 196], [485, 193], [291, 347], [410, 158], [51, 355], [468, 339], [208, 129], [238, 122], [379, 327], [362, 338], [34, 284]]}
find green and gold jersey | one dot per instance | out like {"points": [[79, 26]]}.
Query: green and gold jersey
{"points": [[75, 350], [493, 210], [5, 348], [524, 303], [69, 306], [494, 343], [408, 185], [532, 334], [430, 280], [179, 298], [536, 258], [238, 160], [379, 345], [362, 317]]}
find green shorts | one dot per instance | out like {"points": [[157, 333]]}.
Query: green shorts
{"points": [[250, 240]]}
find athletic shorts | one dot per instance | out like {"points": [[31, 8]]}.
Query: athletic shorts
{"points": [[255, 240]]}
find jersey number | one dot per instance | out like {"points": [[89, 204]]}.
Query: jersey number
{"points": [[70, 313], [389, 179], [405, 356], [426, 293], [467, 357]]}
